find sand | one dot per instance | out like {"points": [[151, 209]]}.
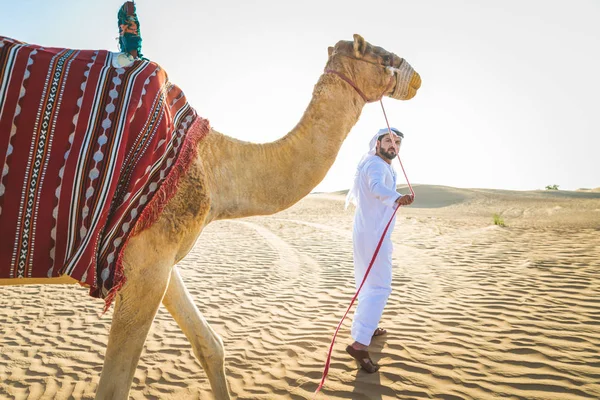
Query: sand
{"points": [[477, 311]]}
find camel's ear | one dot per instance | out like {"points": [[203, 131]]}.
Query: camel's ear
{"points": [[330, 51], [360, 46]]}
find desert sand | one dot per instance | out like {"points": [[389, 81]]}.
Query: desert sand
{"points": [[478, 311]]}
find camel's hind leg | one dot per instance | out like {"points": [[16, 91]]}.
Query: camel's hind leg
{"points": [[135, 307], [207, 345]]}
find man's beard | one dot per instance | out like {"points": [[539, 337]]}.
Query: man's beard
{"points": [[389, 155]]}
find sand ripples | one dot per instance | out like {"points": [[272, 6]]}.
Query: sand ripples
{"points": [[477, 312]]}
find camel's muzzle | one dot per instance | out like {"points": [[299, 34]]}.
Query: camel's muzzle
{"points": [[407, 81]]}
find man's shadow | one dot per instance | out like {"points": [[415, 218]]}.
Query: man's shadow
{"points": [[365, 384]]}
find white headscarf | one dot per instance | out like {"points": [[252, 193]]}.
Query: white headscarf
{"points": [[352, 196]]}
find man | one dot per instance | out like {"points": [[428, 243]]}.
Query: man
{"points": [[375, 196]]}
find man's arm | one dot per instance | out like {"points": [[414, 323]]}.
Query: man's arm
{"points": [[376, 175]]}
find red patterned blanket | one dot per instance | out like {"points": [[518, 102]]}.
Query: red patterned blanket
{"points": [[90, 150]]}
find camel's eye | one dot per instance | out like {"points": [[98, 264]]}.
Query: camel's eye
{"points": [[386, 59]]}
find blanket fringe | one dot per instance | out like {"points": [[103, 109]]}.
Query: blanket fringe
{"points": [[197, 131]]}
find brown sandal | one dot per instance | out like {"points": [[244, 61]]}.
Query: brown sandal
{"points": [[363, 358], [379, 332]]}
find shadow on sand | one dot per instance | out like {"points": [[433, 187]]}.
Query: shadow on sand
{"points": [[367, 386]]}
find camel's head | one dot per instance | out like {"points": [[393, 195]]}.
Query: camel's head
{"points": [[373, 70]]}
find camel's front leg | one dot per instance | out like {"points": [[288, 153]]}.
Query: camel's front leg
{"points": [[135, 308], [207, 345]]}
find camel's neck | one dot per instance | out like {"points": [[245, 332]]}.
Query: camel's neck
{"points": [[259, 179]]}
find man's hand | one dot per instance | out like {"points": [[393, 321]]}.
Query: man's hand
{"points": [[405, 200]]}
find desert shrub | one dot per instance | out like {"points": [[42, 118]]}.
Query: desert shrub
{"points": [[498, 220]]}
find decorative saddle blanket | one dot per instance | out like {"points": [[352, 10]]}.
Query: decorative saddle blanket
{"points": [[91, 147]]}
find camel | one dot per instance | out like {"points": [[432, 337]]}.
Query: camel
{"points": [[229, 179]]}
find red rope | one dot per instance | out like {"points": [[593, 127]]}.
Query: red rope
{"points": [[326, 369], [392, 135]]}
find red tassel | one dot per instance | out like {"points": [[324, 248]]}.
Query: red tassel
{"points": [[129, 7]]}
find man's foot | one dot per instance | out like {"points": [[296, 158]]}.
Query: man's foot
{"points": [[363, 358], [379, 332]]}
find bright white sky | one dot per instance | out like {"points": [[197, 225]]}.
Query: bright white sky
{"points": [[510, 96]]}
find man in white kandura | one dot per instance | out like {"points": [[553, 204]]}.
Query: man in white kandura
{"points": [[375, 196]]}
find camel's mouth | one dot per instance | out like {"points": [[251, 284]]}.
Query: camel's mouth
{"points": [[408, 81]]}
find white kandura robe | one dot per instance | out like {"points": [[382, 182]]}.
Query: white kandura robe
{"points": [[375, 195]]}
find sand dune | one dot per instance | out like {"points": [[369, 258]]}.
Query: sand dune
{"points": [[596, 190], [477, 311]]}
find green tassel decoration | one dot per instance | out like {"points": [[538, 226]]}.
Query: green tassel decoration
{"points": [[130, 38]]}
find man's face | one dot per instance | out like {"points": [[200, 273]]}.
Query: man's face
{"points": [[385, 147]]}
